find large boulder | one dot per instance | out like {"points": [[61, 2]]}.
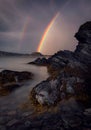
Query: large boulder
{"points": [[73, 77], [10, 80], [60, 59], [84, 33], [83, 49], [40, 62], [47, 92]]}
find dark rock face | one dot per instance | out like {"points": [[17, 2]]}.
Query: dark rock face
{"points": [[69, 116], [72, 72], [68, 89], [40, 61], [64, 94], [83, 50], [84, 33], [47, 92], [9, 80], [61, 59]]}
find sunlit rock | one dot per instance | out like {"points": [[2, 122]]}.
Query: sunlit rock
{"points": [[42, 97]]}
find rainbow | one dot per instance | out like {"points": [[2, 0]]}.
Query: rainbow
{"points": [[23, 32], [45, 34]]}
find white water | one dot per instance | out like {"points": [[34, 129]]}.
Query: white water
{"points": [[20, 95]]}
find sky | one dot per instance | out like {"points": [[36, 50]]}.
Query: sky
{"points": [[23, 23]]}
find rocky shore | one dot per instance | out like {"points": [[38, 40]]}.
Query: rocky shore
{"points": [[70, 78], [63, 100], [66, 115], [10, 80], [40, 62], [69, 71]]}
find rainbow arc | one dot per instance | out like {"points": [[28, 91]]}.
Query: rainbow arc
{"points": [[45, 34]]}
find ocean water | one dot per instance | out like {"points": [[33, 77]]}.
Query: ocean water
{"points": [[20, 95]]}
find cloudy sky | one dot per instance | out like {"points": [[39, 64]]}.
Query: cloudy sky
{"points": [[23, 22]]}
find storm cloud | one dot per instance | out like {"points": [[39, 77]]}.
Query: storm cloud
{"points": [[22, 24]]}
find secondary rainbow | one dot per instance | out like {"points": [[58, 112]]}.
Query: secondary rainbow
{"points": [[23, 32], [42, 41]]}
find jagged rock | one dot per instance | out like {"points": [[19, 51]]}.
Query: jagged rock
{"points": [[72, 71], [83, 50], [71, 82], [40, 61], [82, 54], [60, 59], [47, 92], [9, 76], [51, 91], [10, 80], [84, 33]]}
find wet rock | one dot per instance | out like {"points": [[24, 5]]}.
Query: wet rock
{"points": [[82, 54], [40, 62], [84, 33], [59, 60], [46, 92], [64, 91], [6, 89], [71, 72], [51, 91], [10, 80], [83, 50], [14, 76]]}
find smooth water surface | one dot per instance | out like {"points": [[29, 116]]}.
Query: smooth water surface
{"points": [[20, 95]]}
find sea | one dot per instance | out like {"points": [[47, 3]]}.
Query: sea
{"points": [[20, 95]]}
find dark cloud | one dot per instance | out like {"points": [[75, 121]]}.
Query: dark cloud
{"points": [[22, 23]]}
